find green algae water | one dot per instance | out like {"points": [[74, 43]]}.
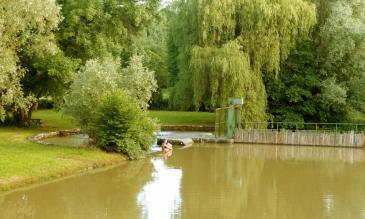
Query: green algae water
{"points": [[208, 181]]}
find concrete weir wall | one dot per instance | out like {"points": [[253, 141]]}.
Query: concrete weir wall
{"points": [[299, 137]]}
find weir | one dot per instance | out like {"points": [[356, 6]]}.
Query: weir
{"points": [[308, 134], [300, 137], [230, 127]]}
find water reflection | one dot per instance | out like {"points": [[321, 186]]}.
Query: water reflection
{"points": [[328, 202], [107, 194], [208, 181], [217, 183], [303, 153], [252, 181], [167, 154], [161, 197], [78, 140]]}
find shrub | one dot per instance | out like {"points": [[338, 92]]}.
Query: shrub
{"points": [[122, 126], [138, 81], [88, 87], [100, 76]]}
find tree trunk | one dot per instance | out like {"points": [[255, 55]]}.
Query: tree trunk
{"points": [[23, 118]]}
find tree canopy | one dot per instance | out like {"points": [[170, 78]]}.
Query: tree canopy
{"points": [[96, 29], [291, 60], [323, 79], [44, 42], [26, 31], [226, 46]]}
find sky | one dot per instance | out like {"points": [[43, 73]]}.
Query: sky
{"points": [[166, 2]]}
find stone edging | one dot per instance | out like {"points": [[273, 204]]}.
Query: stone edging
{"points": [[38, 138]]}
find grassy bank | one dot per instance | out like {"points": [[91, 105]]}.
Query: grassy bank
{"points": [[23, 162], [54, 120]]}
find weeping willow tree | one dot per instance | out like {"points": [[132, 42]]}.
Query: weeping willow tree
{"points": [[225, 47]]}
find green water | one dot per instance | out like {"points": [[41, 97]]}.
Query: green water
{"points": [[208, 181]]}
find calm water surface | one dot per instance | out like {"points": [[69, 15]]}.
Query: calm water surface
{"points": [[78, 140], [208, 181]]}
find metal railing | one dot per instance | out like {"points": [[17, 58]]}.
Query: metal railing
{"points": [[327, 127]]}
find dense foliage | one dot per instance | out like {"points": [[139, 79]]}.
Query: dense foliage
{"points": [[291, 60], [323, 79], [88, 87], [43, 43], [26, 33], [138, 81], [100, 76], [123, 127], [224, 48], [96, 29], [152, 45]]}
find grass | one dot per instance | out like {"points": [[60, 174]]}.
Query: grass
{"points": [[183, 118], [53, 120], [23, 162], [358, 117]]}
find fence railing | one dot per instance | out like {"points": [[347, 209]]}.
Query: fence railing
{"points": [[290, 133], [323, 127], [228, 125]]}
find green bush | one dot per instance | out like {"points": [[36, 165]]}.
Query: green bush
{"points": [[122, 126], [99, 76]]}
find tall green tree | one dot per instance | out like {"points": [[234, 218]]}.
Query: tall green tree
{"points": [[26, 31], [97, 29], [293, 95], [341, 53], [328, 69], [152, 45], [225, 47]]}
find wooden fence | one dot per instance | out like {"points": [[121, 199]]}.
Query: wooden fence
{"points": [[299, 137]]}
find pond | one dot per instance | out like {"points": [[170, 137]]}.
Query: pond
{"points": [[76, 140], [208, 181]]}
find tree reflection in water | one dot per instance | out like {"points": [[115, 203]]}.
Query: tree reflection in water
{"points": [[255, 181], [208, 181]]}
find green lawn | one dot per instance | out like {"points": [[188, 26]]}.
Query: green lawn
{"points": [[358, 117], [52, 119], [183, 118], [23, 162], [56, 120]]}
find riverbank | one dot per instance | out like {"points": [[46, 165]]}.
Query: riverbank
{"points": [[24, 163]]}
